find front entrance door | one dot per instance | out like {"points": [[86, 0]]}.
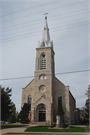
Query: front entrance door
{"points": [[42, 114]]}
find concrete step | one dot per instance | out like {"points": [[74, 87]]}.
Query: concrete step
{"points": [[39, 123]]}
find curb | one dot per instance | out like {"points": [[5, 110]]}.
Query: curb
{"points": [[86, 133]]}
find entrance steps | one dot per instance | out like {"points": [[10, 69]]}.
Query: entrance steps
{"points": [[39, 123]]}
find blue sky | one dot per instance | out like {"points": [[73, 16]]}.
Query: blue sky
{"points": [[22, 23]]}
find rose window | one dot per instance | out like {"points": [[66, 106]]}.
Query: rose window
{"points": [[42, 88]]}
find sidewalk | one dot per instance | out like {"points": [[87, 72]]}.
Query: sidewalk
{"points": [[15, 130], [20, 130]]}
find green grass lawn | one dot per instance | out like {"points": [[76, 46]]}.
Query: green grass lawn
{"points": [[4, 126], [46, 129]]}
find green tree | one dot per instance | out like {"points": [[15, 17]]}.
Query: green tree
{"points": [[84, 111], [6, 103], [60, 109], [88, 92], [12, 118], [17, 117], [60, 112], [87, 105], [24, 113]]}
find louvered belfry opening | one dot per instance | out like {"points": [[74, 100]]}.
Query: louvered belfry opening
{"points": [[43, 61]]}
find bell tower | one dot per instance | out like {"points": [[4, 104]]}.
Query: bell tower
{"points": [[43, 77], [44, 52]]}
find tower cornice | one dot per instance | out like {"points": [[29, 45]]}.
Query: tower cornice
{"points": [[46, 48]]}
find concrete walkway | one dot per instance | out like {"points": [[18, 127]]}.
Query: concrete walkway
{"points": [[12, 130], [20, 130], [15, 130]]}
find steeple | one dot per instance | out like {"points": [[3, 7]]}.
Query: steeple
{"points": [[45, 40]]}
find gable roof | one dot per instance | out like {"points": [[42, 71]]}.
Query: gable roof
{"points": [[28, 84]]}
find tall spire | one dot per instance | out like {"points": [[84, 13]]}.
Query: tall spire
{"points": [[45, 40]]}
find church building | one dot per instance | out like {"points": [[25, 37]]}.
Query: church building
{"points": [[45, 91]]}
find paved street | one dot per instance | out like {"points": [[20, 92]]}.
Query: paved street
{"points": [[53, 134]]}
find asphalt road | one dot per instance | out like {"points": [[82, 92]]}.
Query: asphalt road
{"points": [[47, 134]]}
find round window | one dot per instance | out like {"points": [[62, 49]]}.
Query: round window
{"points": [[42, 88]]}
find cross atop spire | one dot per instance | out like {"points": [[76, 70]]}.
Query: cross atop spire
{"points": [[45, 40], [45, 16]]}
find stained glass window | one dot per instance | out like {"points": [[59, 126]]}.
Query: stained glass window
{"points": [[59, 99], [29, 102], [42, 108]]}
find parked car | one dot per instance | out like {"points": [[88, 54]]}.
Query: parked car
{"points": [[2, 122], [7, 122]]}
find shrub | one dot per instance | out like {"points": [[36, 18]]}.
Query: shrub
{"points": [[65, 125], [54, 125]]}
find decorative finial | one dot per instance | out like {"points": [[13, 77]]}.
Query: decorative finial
{"points": [[45, 16]]}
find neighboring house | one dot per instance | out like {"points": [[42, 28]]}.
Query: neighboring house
{"points": [[77, 116]]}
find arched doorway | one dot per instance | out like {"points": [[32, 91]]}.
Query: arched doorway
{"points": [[42, 113]]}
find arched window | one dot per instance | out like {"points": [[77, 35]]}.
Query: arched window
{"points": [[43, 61], [42, 77], [29, 102], [59, 99], [42, 108], [42, 113]]}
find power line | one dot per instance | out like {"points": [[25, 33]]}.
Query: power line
{"points": [[43, 11], [40, 33], [73, 72], [42, 21], [47, 75], [29, 8], [50, 25], [49, 18]]}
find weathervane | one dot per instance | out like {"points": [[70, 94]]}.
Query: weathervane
{"points": [[45, 13], [45, 16]]}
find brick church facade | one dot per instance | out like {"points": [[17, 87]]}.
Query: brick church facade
{"points": [[45, 91]]}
